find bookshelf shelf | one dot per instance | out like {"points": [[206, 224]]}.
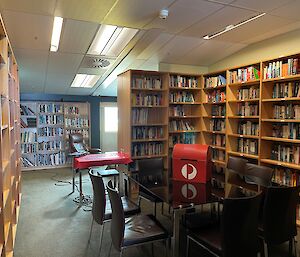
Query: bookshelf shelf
{"points": [[245, 83], [243, 117], [251, 156], [243, 136], [214, 103], [280, 120], [218, 147], [223, 163], [214, 117], [184, 88], [279, 139], [282, 79], [245, 100], [185, 117], [184, 131], [188, 103], [148, 89], [214, 88], [281, 99], [149, 106], [283, 164], [149, 140], [149, 124], [214, 132]]}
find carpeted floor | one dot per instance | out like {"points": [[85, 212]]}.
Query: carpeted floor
{"points": [[51, 224]]}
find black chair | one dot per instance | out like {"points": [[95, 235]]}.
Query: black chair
{"points": [[236, 164], [279, 217], [259, 175], [151, 173], [101, 209], [77, 145], [138, 230], [237, 235]]}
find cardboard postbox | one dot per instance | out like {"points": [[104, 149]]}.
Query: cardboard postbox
{"points": [[189, 192], [192, 162]]}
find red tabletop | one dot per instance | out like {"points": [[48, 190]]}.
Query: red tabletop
{"points": [[108, 158]]}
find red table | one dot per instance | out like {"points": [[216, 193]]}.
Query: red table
{"points": [[91, 160]]}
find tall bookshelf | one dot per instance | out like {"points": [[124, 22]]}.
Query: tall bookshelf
{"points": [[214, 125], [10, 176], [45, 131], [184, 109]]}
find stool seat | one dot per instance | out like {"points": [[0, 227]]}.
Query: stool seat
{"points": [[105, 173]]}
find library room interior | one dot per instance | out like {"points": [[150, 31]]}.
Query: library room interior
{"points": [[149, 128]]}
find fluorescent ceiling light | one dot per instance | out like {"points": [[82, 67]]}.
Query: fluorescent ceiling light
{"points": [[111, 40], [231, 27], [57, 26], [85, 80]]}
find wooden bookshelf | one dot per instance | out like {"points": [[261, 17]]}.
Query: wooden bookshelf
{"points": [[10, 176], [46, 127]]}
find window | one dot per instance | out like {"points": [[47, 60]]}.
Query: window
{"points": [[111, 119]]}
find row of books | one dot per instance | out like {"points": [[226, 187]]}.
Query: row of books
{"points": [[180, 125], [72, 110], [247, 109], [182, 81], [281, 68], [286, 177], [50, 108], [177, 110], [286, 111], [151, 82], [217, 125], [51, 119], [218, 140], [248, 128], [142, 149], [147, 132], [84, 132], [50, 145], [286, 89], [44, 159], [146, 99], [26, 162], [140, 116], [249, 146], [216, 81], [27, 122], [285, 153], [28, 148], [218, 110], [50, 132], [186, 138], [26, 110], [290, 130], [218, 155], [244, 74], [76, 122], [28, 137], [216, 96], [185, 97], [248, 93]]}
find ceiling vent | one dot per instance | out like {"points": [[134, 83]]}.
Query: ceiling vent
{"points": [[100, 63], [96, 62]]}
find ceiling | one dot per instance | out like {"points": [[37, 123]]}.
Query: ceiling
{"points": [[176, 40]]}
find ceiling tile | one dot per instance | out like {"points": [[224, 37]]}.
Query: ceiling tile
{"points": [[77, 36], [64, 63], [29, 6], [257, 28], [79, 91], [218, 21], [58, 82], [32, 60], [221, 1], [209, 52], [135, 13], [289, 11], [92, 71], [258, 5], [92, 10], [183, 14], [32, 80], [28, 31]]}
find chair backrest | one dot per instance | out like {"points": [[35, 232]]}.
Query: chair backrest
{"points": [[151, 171], [239, 225], [279, 214], [260, 175], [118, 220], [99, 200], [76, 143], [237, 164]]}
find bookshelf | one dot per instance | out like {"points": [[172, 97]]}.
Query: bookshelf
{"points": [[45, 129], [10, 176], [184, 109], [213, 124]]}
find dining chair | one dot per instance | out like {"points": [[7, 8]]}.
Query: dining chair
{"points": [[259, 175], [278, 223], [77, 145], [135, 231], [151, 173], [101, 208], [237, 164], [236, 235]]}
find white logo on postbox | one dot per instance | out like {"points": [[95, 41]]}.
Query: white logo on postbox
{"points": [[185, 171], [189, 191]]}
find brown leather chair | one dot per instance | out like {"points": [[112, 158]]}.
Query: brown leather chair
{"points": [[77, 145], [101, 209], [259, 175], [237, 164], [236, 236], [137, 230]]}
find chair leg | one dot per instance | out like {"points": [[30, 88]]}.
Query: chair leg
{"points": [[162, 208], [121, 253], [290, 247], [110, 250], [91, 229], [101, 238], [295, 247], [266, 250], [167, 245], [155, 209], [139, 201], [152, 249], [187, 246]]}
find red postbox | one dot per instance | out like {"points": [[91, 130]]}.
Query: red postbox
{"points": [[192, 162]]}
